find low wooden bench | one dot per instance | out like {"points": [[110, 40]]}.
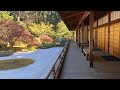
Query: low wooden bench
{"points": [[86, 53]]}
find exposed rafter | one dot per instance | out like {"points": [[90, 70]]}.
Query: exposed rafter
{"points": [[69, 13], [73, 15], [71, 18], [83, 17], [64, 12]]}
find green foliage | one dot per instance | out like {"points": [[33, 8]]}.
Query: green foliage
{"points": [[63, 31], [37, 22], [23, 24], [45, 45], [53, 18], [37, 39], [5, 15], [31, 47], [3, 47], [40, 29]]}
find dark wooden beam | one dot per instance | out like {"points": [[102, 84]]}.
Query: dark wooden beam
{"points": [[76, 18], [69, 13], [79, 14], [75, 21], [64, 12], [83, 17], [91, 39]]}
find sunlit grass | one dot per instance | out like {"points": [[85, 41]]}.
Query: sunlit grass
{"points": [[15, 63]]}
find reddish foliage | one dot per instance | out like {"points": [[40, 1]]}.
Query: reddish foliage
{"points": [[10, 31], [35, 43], [46, 38], [28, 22]]}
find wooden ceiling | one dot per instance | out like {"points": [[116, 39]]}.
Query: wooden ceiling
{"points": [[71, 18]]}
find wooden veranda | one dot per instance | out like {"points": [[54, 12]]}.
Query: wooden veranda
{"points": [[99, 29]]}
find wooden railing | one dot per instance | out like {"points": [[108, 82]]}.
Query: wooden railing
{"points": [[56, 68]]}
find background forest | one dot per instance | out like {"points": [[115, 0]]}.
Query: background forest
{"points": [[31, 29]]}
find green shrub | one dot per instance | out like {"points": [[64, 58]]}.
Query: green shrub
{"points": [[3, 47], [31, 48], [47, 45]]}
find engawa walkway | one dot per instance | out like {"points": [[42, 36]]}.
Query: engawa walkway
{"points": [[76, 66]]}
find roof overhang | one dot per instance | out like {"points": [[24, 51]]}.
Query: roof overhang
{"points": [[71, 18]]}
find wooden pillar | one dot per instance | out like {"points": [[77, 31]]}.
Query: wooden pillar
{"points": [[82, 43], [96, 37], [91, 39], [109, 31], [79, 35], [76, 35]]}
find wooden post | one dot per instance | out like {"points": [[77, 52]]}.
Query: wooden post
{"points": [[91, 38], [109, 31], [82, 36], [94, 37], [79, 35], [76, 35]]}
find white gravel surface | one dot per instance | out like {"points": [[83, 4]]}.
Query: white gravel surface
{"points": [[44, 60]]}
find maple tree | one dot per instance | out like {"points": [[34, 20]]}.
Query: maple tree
{"points": [[11, 31]]}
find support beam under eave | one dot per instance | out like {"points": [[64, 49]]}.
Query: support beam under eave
{"points": [[82, 43], [91, 57]]}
